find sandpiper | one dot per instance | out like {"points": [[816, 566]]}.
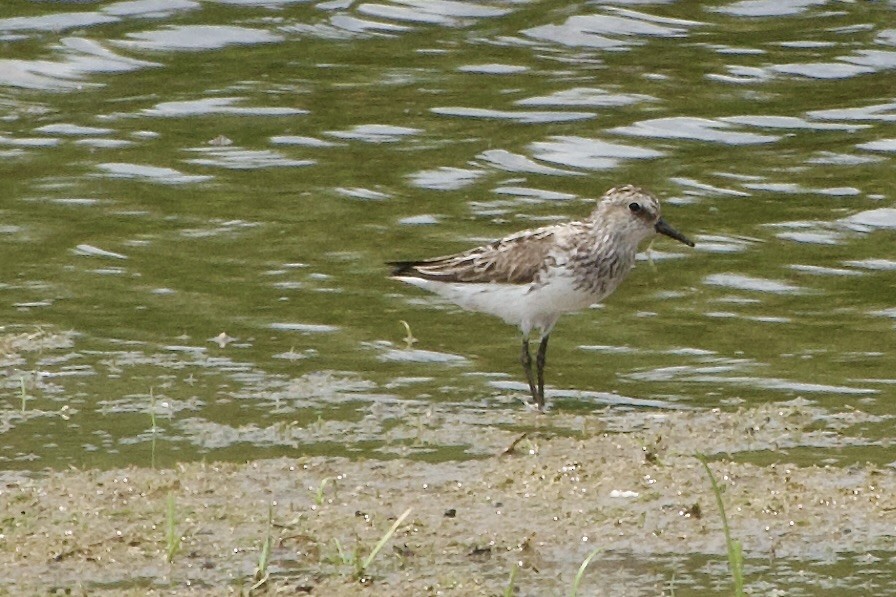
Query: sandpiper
{"points": [[530, 278]]}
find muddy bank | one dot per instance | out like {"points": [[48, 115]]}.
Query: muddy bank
{"points": [[629, 485]]}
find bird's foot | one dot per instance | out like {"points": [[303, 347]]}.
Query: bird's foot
{"points": [[536, 404]]}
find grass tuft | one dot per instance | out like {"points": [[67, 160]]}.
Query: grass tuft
{"points": [[735, 549]]}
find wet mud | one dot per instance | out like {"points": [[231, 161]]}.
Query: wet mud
{"points": [[625, 483]]}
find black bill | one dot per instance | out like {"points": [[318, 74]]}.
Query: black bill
{"points": [[663, 228]]}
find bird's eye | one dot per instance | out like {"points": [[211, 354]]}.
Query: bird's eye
{"points": [[635, 207]]}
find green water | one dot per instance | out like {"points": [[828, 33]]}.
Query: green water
{"points": [[344, 135]]}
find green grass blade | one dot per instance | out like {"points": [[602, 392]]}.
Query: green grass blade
{"points": [[735, 549], [264, 557], [508, 591], [385, 538], [152, 419], [581, 573], [172, 539]]}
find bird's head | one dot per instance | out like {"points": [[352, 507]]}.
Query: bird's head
{"points": [[632, 212]]}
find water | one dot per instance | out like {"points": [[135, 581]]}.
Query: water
{"points": [[178, 171], [200, 197]]}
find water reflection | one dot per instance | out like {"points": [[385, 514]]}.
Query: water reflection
{"points": [[80, 59], [196, 37], [217, 105], [615, 31]]}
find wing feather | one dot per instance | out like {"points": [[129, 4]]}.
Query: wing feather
{"points": [[515, 259]]}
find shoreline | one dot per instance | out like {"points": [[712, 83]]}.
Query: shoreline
{"points": [[544, 501]]}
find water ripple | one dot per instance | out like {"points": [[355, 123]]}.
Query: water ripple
{"points": [[514, 115], [712, 243], [769, 8], [375, 133], [696, 129], [445, 178], [823, 70], [785, 385], [216, 105], [591, 154], [362, 193], [81, 57], [586, 97], [883, 218], [409, 355], [879, 112], [149, 173], [842, 159], [56, 22], [302, 141], [304, 328], [355, 25], [789, 122], [818, 270], [703, 188], [888, 145], [63, 128], [741, 75], [610, 32], [742, 282], [29, 141], [514, 162], [92, 251], [150, 8], [493, 69], [237, 158], [536, 194], [872, 264], [450, 13], [196, 37]]}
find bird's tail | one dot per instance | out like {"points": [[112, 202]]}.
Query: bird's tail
{"points": [[400, 268]]}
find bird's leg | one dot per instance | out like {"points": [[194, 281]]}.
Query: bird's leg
{"points": [[539, 365], [526, 360]]}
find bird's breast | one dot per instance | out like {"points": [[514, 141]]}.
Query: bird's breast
{"points": [[599, 273]]}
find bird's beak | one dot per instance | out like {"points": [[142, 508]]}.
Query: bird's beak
{"points": [[663, 228]]}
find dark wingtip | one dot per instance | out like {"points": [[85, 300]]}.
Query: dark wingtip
{"points": [[400, 267]]}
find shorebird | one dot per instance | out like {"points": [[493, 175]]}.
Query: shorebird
{"points": [[530, 278]]}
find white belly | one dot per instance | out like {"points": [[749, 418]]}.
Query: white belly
{"points": [[526, 306]]}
